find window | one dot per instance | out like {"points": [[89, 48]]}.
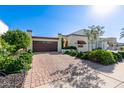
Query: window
{"points": [[81, 43]]}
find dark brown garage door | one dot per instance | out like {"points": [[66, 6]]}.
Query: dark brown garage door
{"points": [[44, 46]]}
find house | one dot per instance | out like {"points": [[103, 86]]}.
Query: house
{"points": [[43, 44], [78, 39], [3, 27]]}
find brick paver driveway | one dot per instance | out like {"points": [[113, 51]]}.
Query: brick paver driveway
{"points": [[58, 70], [44, 65]]}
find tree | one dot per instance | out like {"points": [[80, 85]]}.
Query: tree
{"points": [[93, 32], [122, 33], [17, 38], [88, 33]]}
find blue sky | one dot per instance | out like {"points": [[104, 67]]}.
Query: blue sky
{"points": [[51, 20]]}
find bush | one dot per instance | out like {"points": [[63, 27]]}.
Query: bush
{"points": [[122, 48], [122, 54], [70, 47], [9, 64], [73, 53], [17, 38], [85, 56], [117, 57], [97, 48], [102, 56], [66, 52], [79, 55], [26, 60]]}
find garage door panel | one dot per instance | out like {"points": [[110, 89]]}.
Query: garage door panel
{"points": [[44, 46]]}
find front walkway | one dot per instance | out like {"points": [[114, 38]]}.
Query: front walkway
{"points": [[58, 70]]}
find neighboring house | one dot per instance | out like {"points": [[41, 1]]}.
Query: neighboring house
{"points": [[3, 28], [119, 45], [78, 39], [112, 42]]}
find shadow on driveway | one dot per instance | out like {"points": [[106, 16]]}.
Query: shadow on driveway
{"points": [[78, 76], [99, 67]]}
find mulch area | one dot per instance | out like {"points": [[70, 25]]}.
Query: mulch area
{"points": [[12, 80]]}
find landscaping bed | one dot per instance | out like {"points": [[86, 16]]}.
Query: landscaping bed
{"points": [[15, 58], [12, 80], [98, 55]]}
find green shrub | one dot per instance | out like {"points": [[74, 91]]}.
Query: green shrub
{"points": [[6, 63], [79, 54], [102, 56], [26, 60], [10, 64], [70, 47], [17, 38], [122, 54], [117, 57], [122, 48], [30, 51], [73, 53], [97, 48], [66, 52], [85, 56]]}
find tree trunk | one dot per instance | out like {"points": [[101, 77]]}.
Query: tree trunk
{"points": [[96, 43], [88, 45], [92, 44]]}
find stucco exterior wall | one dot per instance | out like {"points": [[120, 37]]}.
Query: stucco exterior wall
{"points": [[72, 41]]}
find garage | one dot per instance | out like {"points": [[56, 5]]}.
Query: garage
{"points": [[45, 44]]}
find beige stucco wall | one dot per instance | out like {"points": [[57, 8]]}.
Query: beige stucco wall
{"points": [[72, 41]]}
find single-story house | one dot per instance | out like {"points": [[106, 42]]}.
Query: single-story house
{"points": [[78, 39]]}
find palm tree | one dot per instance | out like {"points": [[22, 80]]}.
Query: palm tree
{"points": [[88, 33], [93, 34], [122, 33], [96, 31], [100, 31]]}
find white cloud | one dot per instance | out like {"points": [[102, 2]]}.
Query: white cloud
{"points": [[3, 27]]}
